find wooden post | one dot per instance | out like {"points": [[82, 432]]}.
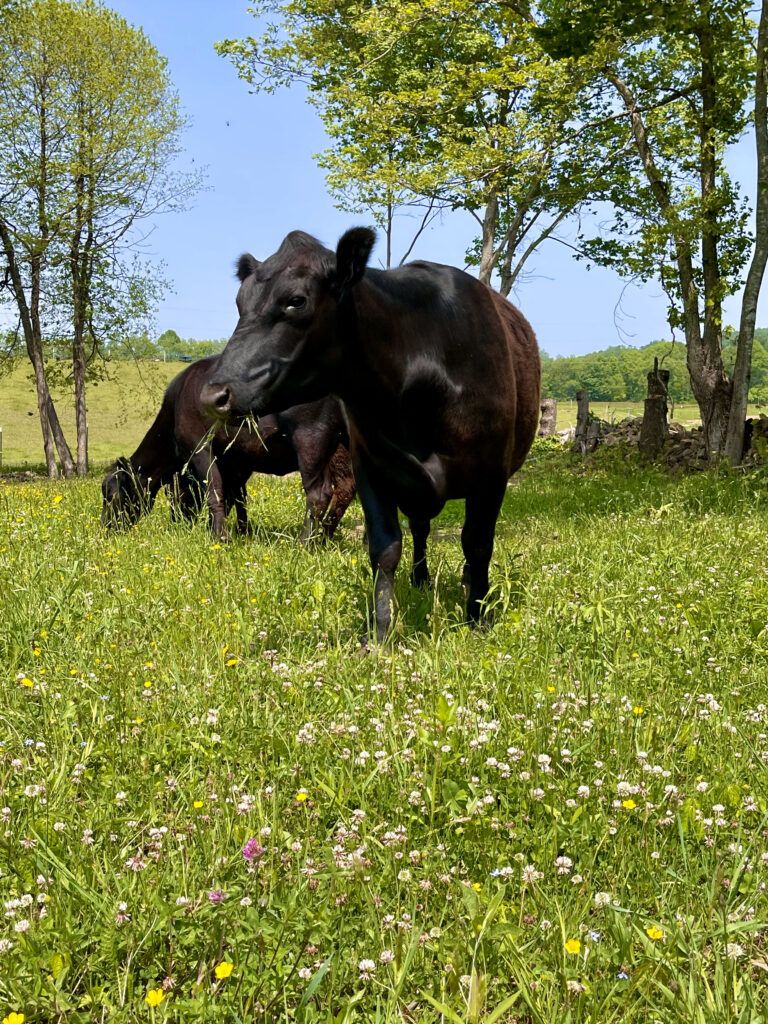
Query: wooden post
{"points": [[548, 423], [1, 446], [582, 421], [654, 431]]}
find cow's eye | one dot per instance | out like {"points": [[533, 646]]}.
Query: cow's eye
{"points": [[295, 302]]}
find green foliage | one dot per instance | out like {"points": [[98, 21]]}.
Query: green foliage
{"points": [[559, 819], [454, 105]]}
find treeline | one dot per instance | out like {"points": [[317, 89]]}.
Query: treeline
{"points": [[168, 347], [619, 374]]}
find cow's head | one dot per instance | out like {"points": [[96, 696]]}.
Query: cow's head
{"points": [[126, 496], [287, 344]]}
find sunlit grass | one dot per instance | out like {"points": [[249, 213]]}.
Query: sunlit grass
{"points": [[562, 818]]}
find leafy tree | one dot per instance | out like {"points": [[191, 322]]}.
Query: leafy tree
{"points": [[90, 126], [681, 71], [170, 343], [448, 104]]}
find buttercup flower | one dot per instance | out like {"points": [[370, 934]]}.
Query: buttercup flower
{"points": [[573, 946], [154, 997], [224, 969]]}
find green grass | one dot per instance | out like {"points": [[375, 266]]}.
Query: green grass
{"points": [[120, 409], [454, 807], [614, 412]]}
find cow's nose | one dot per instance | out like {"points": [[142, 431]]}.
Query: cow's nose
{"points": [[217, 399]]}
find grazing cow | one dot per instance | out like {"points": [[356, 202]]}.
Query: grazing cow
{"points": [[440, 377], [200, 461]]}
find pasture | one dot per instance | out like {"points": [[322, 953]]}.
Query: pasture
{"points": [[122, 405], [216, 809]]}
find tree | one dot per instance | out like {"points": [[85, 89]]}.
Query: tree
{"points": [[90, 126], [444, 105], [681, 73], [734, 443]]}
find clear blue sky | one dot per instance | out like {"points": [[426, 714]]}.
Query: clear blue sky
{"points": [[263, 182]]}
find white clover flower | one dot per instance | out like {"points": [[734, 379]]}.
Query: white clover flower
{"points": [[367, 969]]}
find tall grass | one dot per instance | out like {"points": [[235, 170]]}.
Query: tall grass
{"points": [[563, 818]]}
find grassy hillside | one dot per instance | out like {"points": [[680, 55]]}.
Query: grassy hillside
{"points": [[119, 410]]}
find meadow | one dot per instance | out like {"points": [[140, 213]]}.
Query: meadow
{"points": [[123, 404], [216, 808]]}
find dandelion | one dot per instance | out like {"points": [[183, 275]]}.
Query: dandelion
{"points": [[27, 682], [573, 946], [224, 969], [154, 997], [654, 933]]}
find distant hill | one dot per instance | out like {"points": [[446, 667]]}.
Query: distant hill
{"points": [[619, 373]]}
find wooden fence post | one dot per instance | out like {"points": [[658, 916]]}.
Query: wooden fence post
{"points": [[654, 431], [582, 422], [548, 423]]}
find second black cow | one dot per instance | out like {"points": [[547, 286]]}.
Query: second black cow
{"points": [[205, 463]]}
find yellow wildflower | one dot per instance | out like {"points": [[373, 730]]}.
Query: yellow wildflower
{"points": [[26, 681], [573, 946], [14, 1018], [637, 710], [628, 805], [154, 997], [233, 661], [197, 804], [477, 886], [224, 969], [654, 933], [301, 795]]}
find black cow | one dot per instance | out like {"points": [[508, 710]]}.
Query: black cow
{"points": [[440, 377], [203, 461]]}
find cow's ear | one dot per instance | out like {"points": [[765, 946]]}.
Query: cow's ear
{"points": [[246, 266], [352, 254]]}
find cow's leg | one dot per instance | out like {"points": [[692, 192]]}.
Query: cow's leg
{"points": [[482, 511], [420, 571], [343, 484], [316, 480], [385, 546], [208, 471]]}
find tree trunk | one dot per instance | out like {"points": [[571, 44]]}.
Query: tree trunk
{"points": [[734, 444], [582, 422], [487, 255], [654, 431], [709, 381], [548, 423]]}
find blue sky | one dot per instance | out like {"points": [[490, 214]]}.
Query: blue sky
{"points": [[263, 182]]}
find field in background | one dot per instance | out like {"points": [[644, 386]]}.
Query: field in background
{"points": [[120, 409], [210, 796]]}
